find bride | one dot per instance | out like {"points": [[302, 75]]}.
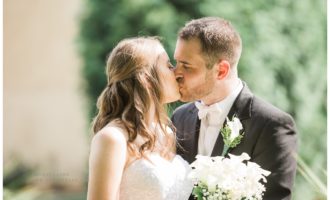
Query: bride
{"points": [[133, 150]]}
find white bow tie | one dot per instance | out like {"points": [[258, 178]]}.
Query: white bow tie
{"points": [[213, 110]]}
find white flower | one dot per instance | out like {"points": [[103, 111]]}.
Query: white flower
{"points": [[229, 175], [242, 157], [235, 126]]}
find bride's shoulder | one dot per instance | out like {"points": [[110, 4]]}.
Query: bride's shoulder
{"points": [[111, 134], [108, 150]]}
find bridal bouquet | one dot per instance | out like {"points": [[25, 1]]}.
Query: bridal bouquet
{"points": [[233, 178]]}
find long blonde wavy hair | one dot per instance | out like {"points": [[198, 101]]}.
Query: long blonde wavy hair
{"points": [[134, 87]]}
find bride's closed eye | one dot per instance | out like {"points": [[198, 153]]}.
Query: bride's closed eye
{"points": [[170, 66]]}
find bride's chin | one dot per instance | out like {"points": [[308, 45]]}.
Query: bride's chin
{"points": [[177, 96], [173, 99]]}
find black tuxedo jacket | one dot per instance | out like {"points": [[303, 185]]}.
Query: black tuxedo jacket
{"points": [[269, 138]]}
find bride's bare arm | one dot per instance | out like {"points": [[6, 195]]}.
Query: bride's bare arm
{"points": [[106, 164]]}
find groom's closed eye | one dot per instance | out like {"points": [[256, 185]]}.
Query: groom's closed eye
{"points": [[185, 67]]}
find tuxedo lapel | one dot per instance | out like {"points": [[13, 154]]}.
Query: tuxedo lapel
{"points": [[242, 104], [191, 134], [218, 147], [242, 109]]}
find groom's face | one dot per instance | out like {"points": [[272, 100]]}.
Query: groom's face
{"points": [[194, 79]]}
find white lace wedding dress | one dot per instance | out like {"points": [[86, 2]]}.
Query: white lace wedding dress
{"points": [[159, 180]]}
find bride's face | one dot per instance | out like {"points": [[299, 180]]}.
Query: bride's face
{"points": [[166, 74]]}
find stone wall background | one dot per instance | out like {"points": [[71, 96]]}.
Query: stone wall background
{"points": [[44, 107]]}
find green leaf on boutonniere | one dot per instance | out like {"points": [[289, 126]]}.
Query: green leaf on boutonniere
{"points": [[225, 132], [236, 141]]}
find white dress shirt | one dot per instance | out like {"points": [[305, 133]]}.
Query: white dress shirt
{"points": [[212, 118]]}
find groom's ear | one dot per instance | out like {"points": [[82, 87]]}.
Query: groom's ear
{"points": [[223, 69]]}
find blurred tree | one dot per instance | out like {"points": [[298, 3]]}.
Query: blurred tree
{"points": [[107, 22], [283, 58]]}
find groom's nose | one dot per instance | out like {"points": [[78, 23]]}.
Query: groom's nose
{"points": [[179, 79], [178, 74]]}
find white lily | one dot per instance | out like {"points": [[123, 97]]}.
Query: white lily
{"points": [[229, 176]]}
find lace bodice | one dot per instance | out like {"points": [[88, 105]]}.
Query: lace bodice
{"points": [[159, 180]]}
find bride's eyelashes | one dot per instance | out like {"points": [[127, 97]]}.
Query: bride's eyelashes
{"points": [[170, 66]]}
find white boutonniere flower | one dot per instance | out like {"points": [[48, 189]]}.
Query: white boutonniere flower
{"points": [[231, 134]]}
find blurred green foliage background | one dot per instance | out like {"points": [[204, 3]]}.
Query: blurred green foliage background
{"points": [[283, 59]]}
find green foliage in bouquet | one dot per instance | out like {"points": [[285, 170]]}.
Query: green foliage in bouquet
{"points": [[201, 192], [198, 191]]}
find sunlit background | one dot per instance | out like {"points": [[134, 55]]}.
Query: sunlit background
{"points": [[54, 59]]}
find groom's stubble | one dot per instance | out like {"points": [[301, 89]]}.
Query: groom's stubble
{"points": [[202, 88]]}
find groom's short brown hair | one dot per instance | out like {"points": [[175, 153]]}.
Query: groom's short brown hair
{"points": [[218, 38]]}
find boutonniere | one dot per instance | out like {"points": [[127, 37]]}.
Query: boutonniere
{"points": [[231, 134]]}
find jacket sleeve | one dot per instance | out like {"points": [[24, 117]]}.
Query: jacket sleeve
{"points": [[275, 151]]}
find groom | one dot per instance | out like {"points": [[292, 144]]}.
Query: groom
{"points": [[207, 53]]}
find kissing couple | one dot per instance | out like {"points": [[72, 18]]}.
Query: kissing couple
{"points": [[138, 153]]}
